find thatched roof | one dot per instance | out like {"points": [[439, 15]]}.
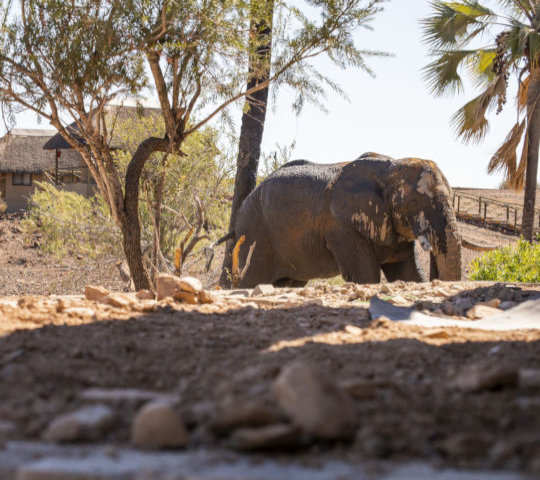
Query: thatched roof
{"points": [[115, 114], [21, 151]]}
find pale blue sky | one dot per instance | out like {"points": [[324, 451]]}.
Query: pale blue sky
{"points": [[391, 114]]}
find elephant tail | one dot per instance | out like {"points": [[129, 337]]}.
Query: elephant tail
{"points": [[209, 251]]}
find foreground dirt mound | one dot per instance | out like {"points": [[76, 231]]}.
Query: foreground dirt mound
{"points": [[259, 372]]}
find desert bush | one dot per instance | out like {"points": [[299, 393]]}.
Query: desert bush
{"points": [[3, 204], [70, 224], [517, 263], [181, 194]]}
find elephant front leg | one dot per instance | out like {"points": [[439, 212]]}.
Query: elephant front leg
{"points": [[407, 269], [354, 256]]}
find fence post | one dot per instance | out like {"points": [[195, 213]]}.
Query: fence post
{"points": [[485, 210], [458, 203], [479, 205]]}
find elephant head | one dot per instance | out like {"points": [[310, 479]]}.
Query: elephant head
{"points": [[421, 203], [402, 200]]}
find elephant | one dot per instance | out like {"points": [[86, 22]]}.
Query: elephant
{"points": [[311, 220]]}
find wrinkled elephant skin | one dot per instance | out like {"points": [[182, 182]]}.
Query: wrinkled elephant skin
{"points": [[317, 221]]}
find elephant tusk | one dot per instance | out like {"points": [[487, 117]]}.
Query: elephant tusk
{"points": [[424, 243], [476, 247]]}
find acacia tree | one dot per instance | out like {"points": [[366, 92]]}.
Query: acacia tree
{"points": [[512, 48], [67, 60]]}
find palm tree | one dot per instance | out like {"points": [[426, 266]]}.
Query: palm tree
{"points": [[512, 32]]}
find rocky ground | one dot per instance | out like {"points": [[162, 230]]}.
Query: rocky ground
{"points": [[281, 374], [302, 374]]}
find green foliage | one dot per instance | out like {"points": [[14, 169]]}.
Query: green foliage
{"points": [[70, 224], [519, 263]]}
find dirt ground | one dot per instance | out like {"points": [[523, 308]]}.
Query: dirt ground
{"points": [[53, 348]]}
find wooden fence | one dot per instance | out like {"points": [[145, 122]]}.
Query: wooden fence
{"points": [[490, 211]]}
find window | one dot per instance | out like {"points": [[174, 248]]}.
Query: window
{"points": [[21, 179]]}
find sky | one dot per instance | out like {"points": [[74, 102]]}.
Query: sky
{"points": [[392, 114]]}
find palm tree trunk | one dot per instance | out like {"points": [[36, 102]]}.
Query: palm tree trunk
{"points": [[533, 139], [251, 132]]}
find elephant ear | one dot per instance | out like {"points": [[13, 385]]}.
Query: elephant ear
{"points": [[357, 198]]}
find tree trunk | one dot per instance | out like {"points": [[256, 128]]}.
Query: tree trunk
{"points": [[251, 132], [131, 229], [533, 139]]}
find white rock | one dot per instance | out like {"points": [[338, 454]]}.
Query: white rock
{"points": [[314, 402], [481, 311], [485, 375], [190, 284], [157, 425], [166, 285], [87, 423], [263, 289], [95, 292]]}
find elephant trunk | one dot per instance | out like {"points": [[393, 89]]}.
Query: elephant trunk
{"points": [[447, 254]]}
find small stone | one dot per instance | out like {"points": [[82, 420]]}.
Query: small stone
{"points": [[485, 376], [314, 402], [79, 312], [507, 305], [167, 285], [359, 388], [462, 305], [116, 300], [95, 292], [386, 289], [267, 438], [205, 297], [354, 330], [233, 414], [144, 295], [190, 284], [399, 300], [240, 293], [439, 333], [263, 289], [157, 425], [481, 311], [494, 303], [87, 423], [529, 377], [186, 297]]}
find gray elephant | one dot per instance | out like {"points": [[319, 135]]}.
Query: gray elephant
{"points": [[317, 221]]}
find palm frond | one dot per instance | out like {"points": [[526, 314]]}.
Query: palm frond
{"points": [[442, 75], [522, 39], [519, 8], [470, 122], [517, 180], [523, 90], [454, 22], [480, 66], [505, 158]]}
